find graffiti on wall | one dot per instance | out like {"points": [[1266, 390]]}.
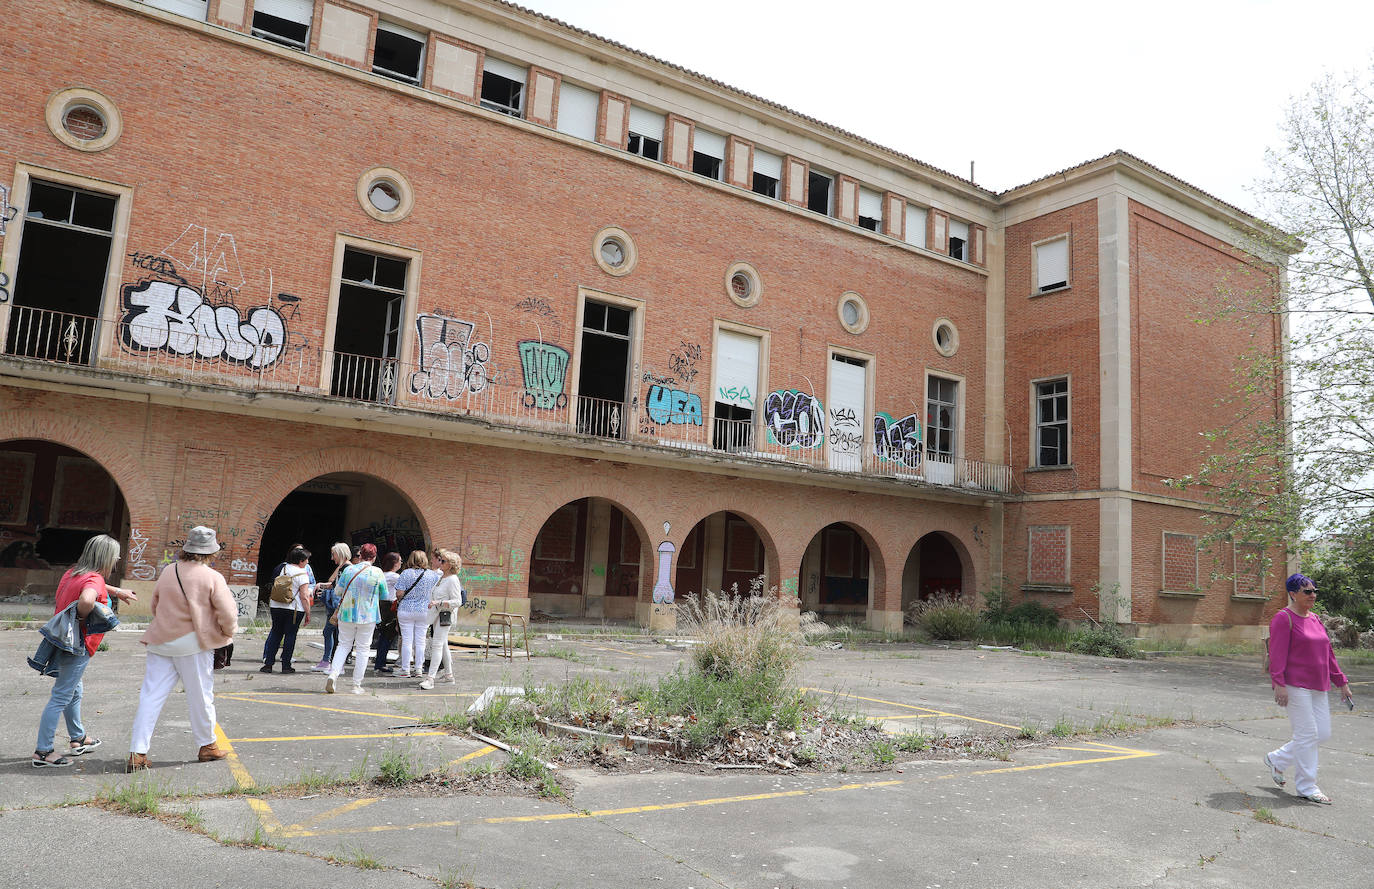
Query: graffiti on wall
{"points": [[666, 406], [4, 288], [794, 419], [898, 440], [739, 395], [682, 361], [194, 257], [663, 585], [452, 364], [139, 569], [846, 433], [545, 367], [176, 318], [7, 211]]}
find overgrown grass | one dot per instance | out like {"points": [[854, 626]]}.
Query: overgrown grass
{"points": [[135, 798], [399, 768], [1265, 816], [912, 742], [563, 653]]}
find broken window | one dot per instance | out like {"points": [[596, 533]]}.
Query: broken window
{"points": [[646, 133], [604, 369], [942, 408], [958, 239], [1052, 265], [284, 21], [367, 329], [1052, 423], [870, 209], [503, 87], [59, 283], [818, 192], [398, 53], [767, 173], [708, 153]]}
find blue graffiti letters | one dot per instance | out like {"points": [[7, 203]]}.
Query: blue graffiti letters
{"points": [[795, 419], [673, 406]]}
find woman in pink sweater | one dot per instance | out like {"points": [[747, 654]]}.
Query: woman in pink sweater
{"points": [[193, 614], [1302, 669]]}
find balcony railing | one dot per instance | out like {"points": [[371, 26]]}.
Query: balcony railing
{"points": [[185, 355]]}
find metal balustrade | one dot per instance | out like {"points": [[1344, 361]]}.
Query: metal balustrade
{"points": [[188, 356]]}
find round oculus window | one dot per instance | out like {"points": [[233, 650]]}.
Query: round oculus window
{"points": [[84, 122], [384, 195], [614, 250], [853, 312], [613, 253], [83, 119], [945, 336], [742, 284]]}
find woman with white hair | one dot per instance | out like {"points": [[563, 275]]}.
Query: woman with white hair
{"points": [[193, 614], [84, 583], [342, 554]]}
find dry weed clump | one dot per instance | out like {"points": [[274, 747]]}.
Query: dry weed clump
{"points": [[742, 636]]}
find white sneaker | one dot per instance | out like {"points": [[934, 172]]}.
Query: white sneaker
{"points": [[358, 690], [1274, 771], [329, 685], [427, 683], [448, 677]]}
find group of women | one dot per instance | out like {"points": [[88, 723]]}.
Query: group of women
{"points": [[366, 595]]}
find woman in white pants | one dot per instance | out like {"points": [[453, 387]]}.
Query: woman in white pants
{"points": [[360, 589], [412, 611], [193, 614], [443, 602], [1302, 669]]}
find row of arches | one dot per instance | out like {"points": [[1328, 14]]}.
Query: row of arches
{"points": [[592, 557]]}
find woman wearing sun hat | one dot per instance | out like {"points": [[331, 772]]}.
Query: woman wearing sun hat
{"points": [[1302, 669], [193, 614]]}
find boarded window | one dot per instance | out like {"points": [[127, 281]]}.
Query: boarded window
{"points": [[1180, 562], [1052, 265], [1047, 556]]}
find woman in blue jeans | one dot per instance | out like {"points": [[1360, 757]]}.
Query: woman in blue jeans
{"points": [[342, 554], [84, 583]]}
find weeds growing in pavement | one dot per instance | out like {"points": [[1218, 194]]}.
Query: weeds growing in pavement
{"points": [[1063, 728], [1265, 816], [359, 858], [912, 742], [884, 752], [1028, 732], [135, 798], [398, 768], [741, 635], [562, 653]]}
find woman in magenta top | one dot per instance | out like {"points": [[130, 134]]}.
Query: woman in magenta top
{"points": [[84, 583], [1302, 669]]}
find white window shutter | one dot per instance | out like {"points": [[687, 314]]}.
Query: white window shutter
{"points": [[646, 122], [737, 369], [767, 164], [1052, 264], [708, 143], [577, 109], [870, 203], [302, 12], [505, 69], [915, 226]]}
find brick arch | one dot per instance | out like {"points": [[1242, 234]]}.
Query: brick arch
{"points": [[145, 512], [772, 560], [522, 541], [437, 522], [877, 580], [961, 549]]}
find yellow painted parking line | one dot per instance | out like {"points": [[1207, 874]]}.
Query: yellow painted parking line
{"points": [[474, 754], [252, 700], [243, 779], [341, 737], [928, 710], [623, 651], [334, 813]]}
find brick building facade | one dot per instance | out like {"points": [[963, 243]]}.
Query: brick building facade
{"points": [[617, 332]]}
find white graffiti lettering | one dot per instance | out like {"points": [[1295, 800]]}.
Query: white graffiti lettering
{"points": [[163, 315], [241, 565], [139, 569], [7, 212], [451, 364]]}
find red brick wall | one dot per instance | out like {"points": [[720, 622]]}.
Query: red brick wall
{"points": [[1081, 518]]}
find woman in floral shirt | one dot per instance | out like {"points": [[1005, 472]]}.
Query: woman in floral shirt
{"points": [[360, 588]]}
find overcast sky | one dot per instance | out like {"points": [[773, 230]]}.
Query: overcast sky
{"points": [[1024, 89]]}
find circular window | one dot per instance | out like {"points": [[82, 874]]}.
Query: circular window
{"points": [[614, 251], [742, 284], [385, 195], [946, 337], [83, 119], [853, 312]]}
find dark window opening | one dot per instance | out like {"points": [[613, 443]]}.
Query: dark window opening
{"points": [[818, 193], [644, 146], [368, 327], [279, 30], [941, 406], [604, 370], [501, 93], [957, 247], [869, 223], [705, 165], [765, 185], [60, 279], [1052, 423], [397, 56], [733, 428]]}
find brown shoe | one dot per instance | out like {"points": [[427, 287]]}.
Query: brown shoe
{"points": [[137, 762], [210, 753]]}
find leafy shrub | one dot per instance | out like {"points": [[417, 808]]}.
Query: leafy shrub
{"points": [[946, 617], [1103, 640], [1032, 613]]}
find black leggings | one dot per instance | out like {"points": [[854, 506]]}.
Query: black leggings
{"points": [[285, 623]]}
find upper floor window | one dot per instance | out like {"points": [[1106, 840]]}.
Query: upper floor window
{"points": [[1052, 265], [367, 334], [767, 173], [708, 154], [284, 21], [577, 110], [646, 133], [737, 385], [194, 9], [870, 209], [914, 231], [942, 412], [818, 188], [503, 87], [399, 53], [958, 240], [1052, 423]]}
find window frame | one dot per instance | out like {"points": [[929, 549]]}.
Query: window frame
{"points": [[405, 346], [397, 30], [957, 429], [281, 39], [763, 335], [1067, 581], [1036, 425], [633, 401], [1196, 591], [1036, 290]]}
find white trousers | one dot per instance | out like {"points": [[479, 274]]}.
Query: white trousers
{"points": [[196, 672], [413, 624], [1309, 713], [358, 639], [438, 649]]}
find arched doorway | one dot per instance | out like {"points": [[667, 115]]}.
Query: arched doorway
{"points": [[723, 553], [586, 563], [933, 568], [347, 507], [835, 575], [52, 500]]}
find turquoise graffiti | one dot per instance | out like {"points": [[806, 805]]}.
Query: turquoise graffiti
{"points": [[898, 440], [545, 368], [667, 406]]}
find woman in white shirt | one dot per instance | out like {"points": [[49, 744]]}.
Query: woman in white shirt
{"points": [[287, 616], [446, 598]]}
